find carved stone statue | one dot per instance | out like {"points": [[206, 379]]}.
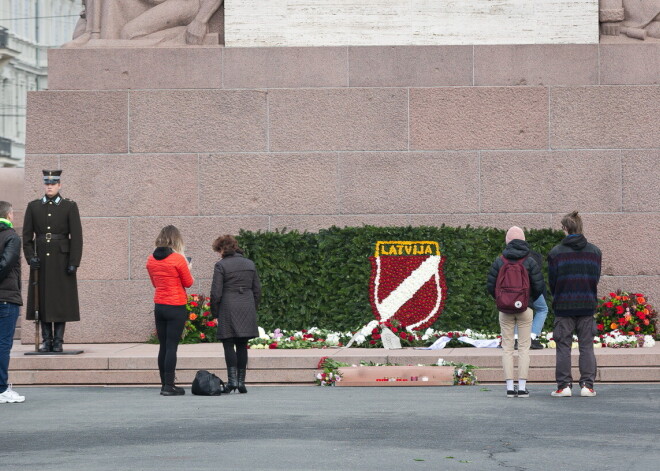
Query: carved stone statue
{"points": [[155, 22], [635, 18]]}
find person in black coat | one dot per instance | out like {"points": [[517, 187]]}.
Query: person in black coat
{"points": [[235, 296], [53, 245], [516, 249]]}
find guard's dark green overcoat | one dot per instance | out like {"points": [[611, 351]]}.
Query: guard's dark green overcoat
{"points": [[58, 292]]}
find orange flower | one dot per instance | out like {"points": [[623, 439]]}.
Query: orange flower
{"points": [[637, 328], [193, 316], [641, 300], [646, 311], [626, 298], [618, 298], [646, 322], [613, 325]]}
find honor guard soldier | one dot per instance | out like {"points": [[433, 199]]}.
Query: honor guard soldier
{"points": [[52, 245]]}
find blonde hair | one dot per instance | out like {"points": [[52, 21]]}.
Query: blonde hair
{"points": [[170, 237], [572, 223]]}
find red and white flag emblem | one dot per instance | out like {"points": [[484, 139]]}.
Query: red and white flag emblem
{"points": [[407, 282]]}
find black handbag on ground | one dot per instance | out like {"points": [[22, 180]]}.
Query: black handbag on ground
{"points": [[207, 384]]}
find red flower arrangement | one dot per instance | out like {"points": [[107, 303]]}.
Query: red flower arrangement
{"points": [[629, 313], [200, 326], [417, 307]]}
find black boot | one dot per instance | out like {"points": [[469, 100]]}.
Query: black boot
{"points": [[58, 336], [241, 381], [169, 389], [232, 378], [47, 337]]}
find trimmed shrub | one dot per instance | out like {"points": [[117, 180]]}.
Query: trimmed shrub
{"points": [[322, 279]]}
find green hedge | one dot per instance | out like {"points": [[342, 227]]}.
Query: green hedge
{"points": [[322, 279]]}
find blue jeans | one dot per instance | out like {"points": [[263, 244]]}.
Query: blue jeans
{"points": [[540, 308], [8, 318], [540, 313]]}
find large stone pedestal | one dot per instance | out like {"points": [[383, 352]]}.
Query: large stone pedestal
{"points": [[215, 140]]}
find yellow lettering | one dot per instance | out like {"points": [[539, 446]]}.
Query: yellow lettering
{"points": [[396, 247]]}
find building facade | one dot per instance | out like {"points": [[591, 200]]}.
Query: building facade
{"points": [[27, 29]]}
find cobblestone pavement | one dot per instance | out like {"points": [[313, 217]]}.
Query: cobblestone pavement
{"points": [[313, 428]]}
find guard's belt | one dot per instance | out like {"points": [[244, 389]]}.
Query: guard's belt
{"points": [[49, 236]]}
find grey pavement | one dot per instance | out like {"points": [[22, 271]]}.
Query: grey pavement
{"points": [[314, 428]]}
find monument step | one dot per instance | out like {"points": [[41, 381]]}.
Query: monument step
{"points": [[130, 364], [623, 374]]}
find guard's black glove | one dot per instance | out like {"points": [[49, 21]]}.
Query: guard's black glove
{"points": [[71, 270], [35, 263]]}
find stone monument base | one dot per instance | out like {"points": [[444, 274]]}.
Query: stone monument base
{"points": [[215, 140]]}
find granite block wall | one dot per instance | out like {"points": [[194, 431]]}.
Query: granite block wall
{"points": [[216, 140]]}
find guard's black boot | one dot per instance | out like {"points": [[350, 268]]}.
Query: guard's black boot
{"points": [[47, 337], [232, 379], [169, 389], [241, 381], [58, 336]]}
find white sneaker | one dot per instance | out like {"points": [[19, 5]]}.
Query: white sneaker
{"points": [[11, 396], [566, 392], [587, 392]]}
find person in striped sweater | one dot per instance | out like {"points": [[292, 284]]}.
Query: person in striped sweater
{"points": [[573, 273]]}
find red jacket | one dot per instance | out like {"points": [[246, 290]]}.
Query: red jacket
{"points": [[170, 276]]}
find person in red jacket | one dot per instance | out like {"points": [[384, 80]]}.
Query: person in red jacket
{"points": [[169, 270]]}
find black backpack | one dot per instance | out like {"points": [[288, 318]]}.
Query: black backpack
{"points": [[207, 384]]}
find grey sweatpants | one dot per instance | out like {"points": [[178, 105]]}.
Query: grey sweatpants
{"points": [[563, 335]]}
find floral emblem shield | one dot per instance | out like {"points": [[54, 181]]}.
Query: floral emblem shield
{"points": [[407, 282]]}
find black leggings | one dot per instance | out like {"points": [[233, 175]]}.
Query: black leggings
{"points": [[169, 327], [236, 353]]}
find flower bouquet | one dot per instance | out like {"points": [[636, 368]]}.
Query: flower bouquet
{"points": [[329, 374], [464, 374], [305, 338], [627, 313], [200, 326], [370, 336]]}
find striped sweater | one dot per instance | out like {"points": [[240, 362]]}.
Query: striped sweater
{"points": [[573, 274]]}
